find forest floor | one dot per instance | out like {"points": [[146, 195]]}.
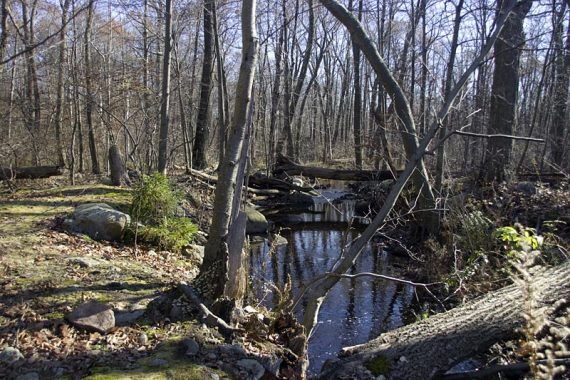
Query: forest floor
{"points": [[46, 272]]}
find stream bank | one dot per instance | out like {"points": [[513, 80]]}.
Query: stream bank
{"points": [[356, 310]]}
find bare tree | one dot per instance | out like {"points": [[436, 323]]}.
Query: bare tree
{"points": [[60, 71], [201, 139], [504, 93], [213, 277], [165, 101], [559, 120], [90, 100]]}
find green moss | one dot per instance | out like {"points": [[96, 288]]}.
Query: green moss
{"points": [[380, 365], [172, 234], [178, 367]]}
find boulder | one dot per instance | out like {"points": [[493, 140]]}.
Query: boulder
{"points": [[527, 188], [93, 316], [192, 348], [194, 252], [10, 355], [254, 369], [256, 222], [99, 221]]}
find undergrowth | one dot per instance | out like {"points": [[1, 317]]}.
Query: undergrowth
{"points": [[153, 211]]}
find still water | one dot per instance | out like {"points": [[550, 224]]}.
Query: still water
{"points": [[356, 310]]}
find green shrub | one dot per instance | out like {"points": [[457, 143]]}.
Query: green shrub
{"points": [[172, 234], [154, 205], [153, 200]]}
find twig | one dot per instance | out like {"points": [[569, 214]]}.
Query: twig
{"points": [[363, 274], [511, 137]]}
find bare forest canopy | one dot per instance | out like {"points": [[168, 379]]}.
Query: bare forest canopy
{"points": [[79, 76]]}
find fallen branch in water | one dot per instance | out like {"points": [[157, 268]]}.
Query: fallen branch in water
{"points": [[358, 275]]}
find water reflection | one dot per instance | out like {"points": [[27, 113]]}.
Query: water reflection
{"points": [[356, 310]]}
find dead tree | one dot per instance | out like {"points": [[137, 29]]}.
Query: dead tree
{"points": [[450, 337]]}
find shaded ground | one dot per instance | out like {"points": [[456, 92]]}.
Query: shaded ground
{"points": [[45, 273]]}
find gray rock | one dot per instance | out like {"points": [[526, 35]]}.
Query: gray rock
{"points": [[85, 262], [194, 252], [232, 350], [10, 355], [92, 316], [271, 363], [100, 221], [254, 370], [527, 188], [158, 362], [211, 356], [192, 348], [124, 318], [200, 238], [143, 339], [29, 376], [256, 221]]}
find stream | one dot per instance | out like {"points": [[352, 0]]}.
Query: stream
{"points": [[356, 310]]}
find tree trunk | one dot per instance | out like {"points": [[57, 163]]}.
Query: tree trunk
{"points": [[505, 92], [201, 139], [559, 121], [222, 92], [448, 80], [89, 102], [117, 166], [165, 101], [213, 276], [357, 109], [451, 337], [275, 96], [60, 70]]}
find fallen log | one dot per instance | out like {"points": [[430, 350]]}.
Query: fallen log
{"points": [[32, 172], [284, 166], [426, 349], [259, 184]]}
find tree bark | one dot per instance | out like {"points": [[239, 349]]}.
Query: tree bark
{"points": [[505, 92], [213, 276], [165, 101], [201, 139], [357, 108], [450, 337], [60, 71], [559, 121], [95, 168], [448, 79], [32, 172], [116, 166]]}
